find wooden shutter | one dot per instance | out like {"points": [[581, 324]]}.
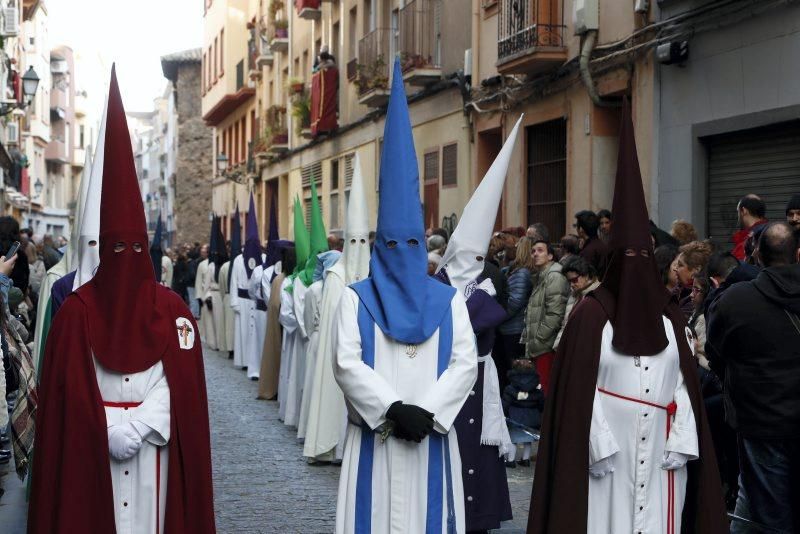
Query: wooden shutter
{"points": [[450, 165]]}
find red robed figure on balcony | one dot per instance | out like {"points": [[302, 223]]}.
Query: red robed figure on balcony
{"points": [[324, 95]]}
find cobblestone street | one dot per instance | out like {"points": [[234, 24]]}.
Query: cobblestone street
{"points": [[261, 482]]}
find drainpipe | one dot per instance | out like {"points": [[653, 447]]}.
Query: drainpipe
{"points": [[586, 75]]}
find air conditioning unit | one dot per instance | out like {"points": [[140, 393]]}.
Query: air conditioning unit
{"points": [[12, 133], [10, 26], [585, 16]]}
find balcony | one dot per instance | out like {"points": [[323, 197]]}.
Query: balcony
{"points": [[58, 102], [373, 69], [530, 36], [308, 9], [279, 36], [265, 56], [56, 150], [421, 41], [253, 68], [276, 132]]}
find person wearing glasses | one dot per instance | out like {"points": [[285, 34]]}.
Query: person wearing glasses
{"points": [[582, 280]]}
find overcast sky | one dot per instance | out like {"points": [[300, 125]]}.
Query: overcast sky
{"points": [[132, 33]]}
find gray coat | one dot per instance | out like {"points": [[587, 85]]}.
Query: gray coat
{"points": [[546, 309]]}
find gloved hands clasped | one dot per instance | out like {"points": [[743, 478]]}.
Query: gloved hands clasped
{"points": [[123, 441], [412, 423], [673, 460], [209, 304], [601, 468]]}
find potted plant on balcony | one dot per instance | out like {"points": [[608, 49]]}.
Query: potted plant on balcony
{"points": [[276, 125], [296, 85], [281, 29], [301, 111]]}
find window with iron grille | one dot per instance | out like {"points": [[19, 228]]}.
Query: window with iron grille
{"points": [[450, 165], [547, 175], [431, 168]]}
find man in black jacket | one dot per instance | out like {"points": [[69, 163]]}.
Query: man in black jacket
{"points": [[753, 344]]}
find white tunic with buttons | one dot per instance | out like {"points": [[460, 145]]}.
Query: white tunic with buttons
{"points": [[288, 321], [243, 309], [297, 367], [311, 311], [634, 498], [140, 482], [399, 486], [259, 331]]}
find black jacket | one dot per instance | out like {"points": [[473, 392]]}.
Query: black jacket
{"points": [[754, 347]]}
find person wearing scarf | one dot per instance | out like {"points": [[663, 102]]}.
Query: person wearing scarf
{"points": [[406, 361], [123, 385], [625, 443]]}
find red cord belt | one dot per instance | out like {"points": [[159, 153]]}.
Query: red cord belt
{"points": [[126, 405], [670, 408]]}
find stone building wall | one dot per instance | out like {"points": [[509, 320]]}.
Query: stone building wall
{"points": [[193, 175]]}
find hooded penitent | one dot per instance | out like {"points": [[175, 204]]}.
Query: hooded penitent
{"points": [[325, 261], [355, 255], [88, 252], [632, 275], [125, 321], [302, 245], [273, 253], [236, 240], [156, 253], [75, 235], [217, 252], [252, 244], [464, 256], [318, 240], [405, 303]]}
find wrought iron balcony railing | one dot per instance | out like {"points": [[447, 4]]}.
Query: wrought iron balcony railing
{"points": [[527, 25]]}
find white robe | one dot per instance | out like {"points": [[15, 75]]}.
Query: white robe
{"points": [[259, 331], [201, 290], [327, 416], [242, 308], [56, 271], [138, 480], [217, 313], [289, 323], [311, 309], [298, 358], [226, 343], [634, 497], [399, 486]]}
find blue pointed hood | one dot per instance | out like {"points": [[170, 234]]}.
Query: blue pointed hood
{"points": [[252, 245], [273, 250], [156, 252], [405, 303]]}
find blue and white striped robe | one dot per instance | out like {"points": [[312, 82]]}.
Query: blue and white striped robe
{"points": [[400, 486]]}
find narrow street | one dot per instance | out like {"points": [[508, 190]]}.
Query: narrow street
{"points": [[262, 484]]}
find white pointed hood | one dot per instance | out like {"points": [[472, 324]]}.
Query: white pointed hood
{"points": [[88, 250], [463, 258], [80, 206], [355, 256]]}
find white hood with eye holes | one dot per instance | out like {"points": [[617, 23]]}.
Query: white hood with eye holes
{"points": [[463, 257], [355, 255], [88, 248]]}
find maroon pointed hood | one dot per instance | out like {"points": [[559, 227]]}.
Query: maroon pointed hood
{"points": [[640, 297], [128, 328]]}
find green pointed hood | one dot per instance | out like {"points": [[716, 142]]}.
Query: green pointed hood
{"points": [[301, 240], [319, 239]]}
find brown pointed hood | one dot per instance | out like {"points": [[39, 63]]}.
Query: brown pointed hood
{"points": [[128, 328], [639, 297]]}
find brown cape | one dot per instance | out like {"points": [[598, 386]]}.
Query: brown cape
{"points": [[271, 354], [561, 484]]}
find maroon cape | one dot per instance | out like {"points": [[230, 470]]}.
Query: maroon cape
{"points": [[71, 490], [561, 483]]}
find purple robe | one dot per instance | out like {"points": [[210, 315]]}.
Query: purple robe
{"points": [[483, 470], [60, 290]]}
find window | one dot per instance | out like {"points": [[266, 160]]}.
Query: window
{"points": [[351, 34], [216, 48], [208, 73], [203, 74], [547, 175], [431, 170], [242, 146], [450, 165], [81, 136], [221, 54], [334, 174], [334, 208]]}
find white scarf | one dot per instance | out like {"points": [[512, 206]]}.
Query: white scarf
{"points": [[494, 430]]}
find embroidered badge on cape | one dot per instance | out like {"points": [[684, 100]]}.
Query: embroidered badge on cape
{"points": [[185, 333]]}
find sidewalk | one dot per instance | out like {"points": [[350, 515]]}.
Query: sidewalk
{"points": [[13, 508]]}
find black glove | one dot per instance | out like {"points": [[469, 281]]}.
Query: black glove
{"points": [[200, 303], [208, 303], [412, 423]]}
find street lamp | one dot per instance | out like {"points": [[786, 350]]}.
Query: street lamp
{"points": [[30, 83], [222, 163], [37, 186]]}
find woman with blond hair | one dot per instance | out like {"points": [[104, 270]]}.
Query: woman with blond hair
{"points": [[683, 231]]}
